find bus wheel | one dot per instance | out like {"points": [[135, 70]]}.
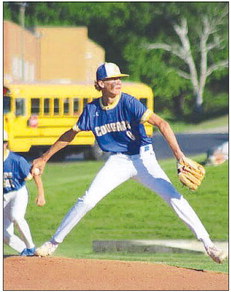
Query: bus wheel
{"points": [[59, 156], [95, 153]]}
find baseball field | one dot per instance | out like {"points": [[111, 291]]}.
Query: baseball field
{"points": [[129, 212]]}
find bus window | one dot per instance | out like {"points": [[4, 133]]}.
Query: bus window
{"points": [[20, 106], [75, 106], [66, 106], [6, 104], [35, 104], [144, 101], [56, 106], [46, 108], [85, 101]]}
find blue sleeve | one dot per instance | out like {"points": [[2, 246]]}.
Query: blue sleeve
{"points": [[136, 108], [24, 167], [84, 120]]}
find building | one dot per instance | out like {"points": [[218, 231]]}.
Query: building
{"points": [[50, 54], [20, 53]]}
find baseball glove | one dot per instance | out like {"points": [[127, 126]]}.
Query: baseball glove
{"points": [[190, 173]]}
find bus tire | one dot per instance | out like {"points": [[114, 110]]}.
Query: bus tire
{"points": [[95, 153], [59, 156]]}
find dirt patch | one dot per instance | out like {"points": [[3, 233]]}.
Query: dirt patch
{"points": [[54, 273]]}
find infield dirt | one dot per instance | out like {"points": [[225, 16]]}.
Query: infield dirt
{"points": [[55, 273]]}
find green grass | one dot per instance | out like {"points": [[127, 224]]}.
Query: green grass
{"points": [[128, 212]]}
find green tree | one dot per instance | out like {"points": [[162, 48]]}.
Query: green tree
{"points": [[209, 40]]}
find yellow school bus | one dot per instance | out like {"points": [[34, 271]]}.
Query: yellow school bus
{"points": [[36, 114]]}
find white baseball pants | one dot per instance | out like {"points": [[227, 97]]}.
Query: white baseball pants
{"points": [[15, 204], [145, 169]]}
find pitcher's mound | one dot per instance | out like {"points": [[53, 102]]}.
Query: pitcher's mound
{"points": [[54, 273]]}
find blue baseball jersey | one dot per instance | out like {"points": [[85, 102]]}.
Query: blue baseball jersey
{"points": [[118, 127], [15, 170]]}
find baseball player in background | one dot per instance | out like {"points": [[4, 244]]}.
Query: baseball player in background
{"points": [[116, 119], [16, 170]]}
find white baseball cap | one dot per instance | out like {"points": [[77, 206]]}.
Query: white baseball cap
{"points": [[5, 136], [108, 70]]}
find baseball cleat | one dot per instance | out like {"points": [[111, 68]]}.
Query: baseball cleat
{"points": [[28, 252], [46, 249], [216, 254]]}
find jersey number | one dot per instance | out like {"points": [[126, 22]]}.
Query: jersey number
{"points": [[130, 135]]}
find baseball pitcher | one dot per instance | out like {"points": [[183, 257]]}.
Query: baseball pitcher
{"points": [[116, 119]]}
